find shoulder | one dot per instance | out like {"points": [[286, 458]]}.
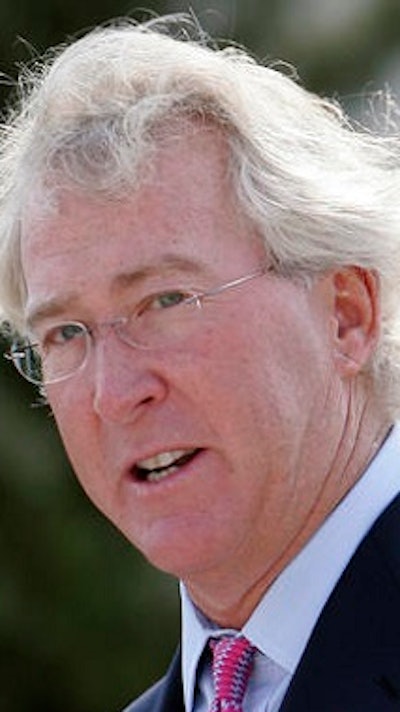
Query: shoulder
{"points": [[166, 695], [148, 701]]}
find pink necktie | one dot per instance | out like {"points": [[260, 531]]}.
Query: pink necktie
{"points": [[232, 662]]}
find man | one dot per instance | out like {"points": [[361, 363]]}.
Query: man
{"points": [[200, 268]]}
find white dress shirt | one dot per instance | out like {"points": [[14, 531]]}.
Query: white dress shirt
{"points": [[282, 623]]}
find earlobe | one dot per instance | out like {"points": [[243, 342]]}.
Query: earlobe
{"points": [[356, 318]]}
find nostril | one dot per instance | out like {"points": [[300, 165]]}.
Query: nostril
{"points": [[147, 400]]}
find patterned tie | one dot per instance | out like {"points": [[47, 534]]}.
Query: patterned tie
{"points": [[232, 662]]}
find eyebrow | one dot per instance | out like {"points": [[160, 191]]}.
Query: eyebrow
{"points": [[57, 306]]}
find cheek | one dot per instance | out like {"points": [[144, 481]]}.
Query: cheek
{"points": [[263, 381], [254, 362]]}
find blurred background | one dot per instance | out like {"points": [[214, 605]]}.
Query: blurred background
{"points": [[78, 606]]}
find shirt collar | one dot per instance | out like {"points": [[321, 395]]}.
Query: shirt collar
{"points": [[277, 627]]}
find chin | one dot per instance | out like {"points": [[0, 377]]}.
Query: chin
{"points": [[181, 554]]}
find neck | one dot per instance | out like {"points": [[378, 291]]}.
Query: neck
{"points": [[228, 598]]}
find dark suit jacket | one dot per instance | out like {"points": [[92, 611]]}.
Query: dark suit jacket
{"points": [[352, 660]]}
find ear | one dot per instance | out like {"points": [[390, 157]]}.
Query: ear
{"points": [[356, 321]]}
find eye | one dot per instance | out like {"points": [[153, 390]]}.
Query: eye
{"points": [[164, 300], [62, 334]]}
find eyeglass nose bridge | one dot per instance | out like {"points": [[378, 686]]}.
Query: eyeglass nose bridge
{"points": [[116, 324]]}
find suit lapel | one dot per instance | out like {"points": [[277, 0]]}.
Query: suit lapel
{"points": [[352, 661], [171, 697]]}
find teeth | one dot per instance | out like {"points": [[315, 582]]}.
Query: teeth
{"points": [[157, 475], [163, 460], [160, 466]]}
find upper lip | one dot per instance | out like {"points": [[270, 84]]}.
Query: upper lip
{"points": [[159, 458], [164, 459]]}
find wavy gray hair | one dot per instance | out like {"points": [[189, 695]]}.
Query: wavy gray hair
{"points": [[321, 192]]}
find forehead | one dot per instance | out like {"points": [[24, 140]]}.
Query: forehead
{"points": [[177, 161], [186, 208]]}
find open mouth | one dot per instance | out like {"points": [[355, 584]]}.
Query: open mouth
{"points": [[161, 466]]}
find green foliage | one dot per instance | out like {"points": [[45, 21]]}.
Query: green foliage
{"points": [[77, 603]]}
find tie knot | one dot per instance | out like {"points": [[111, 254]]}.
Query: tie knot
{"points": [[232, 662]]}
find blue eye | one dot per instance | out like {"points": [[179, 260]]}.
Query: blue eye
{"points": [[62, 334], [163, 300], [169, 299]]}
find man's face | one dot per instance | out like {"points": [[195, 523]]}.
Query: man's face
{"points": [[247, 397]]}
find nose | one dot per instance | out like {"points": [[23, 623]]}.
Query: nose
{"points": [[126, 380]]}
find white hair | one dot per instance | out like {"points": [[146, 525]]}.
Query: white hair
{"points": [[321, 192]]}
